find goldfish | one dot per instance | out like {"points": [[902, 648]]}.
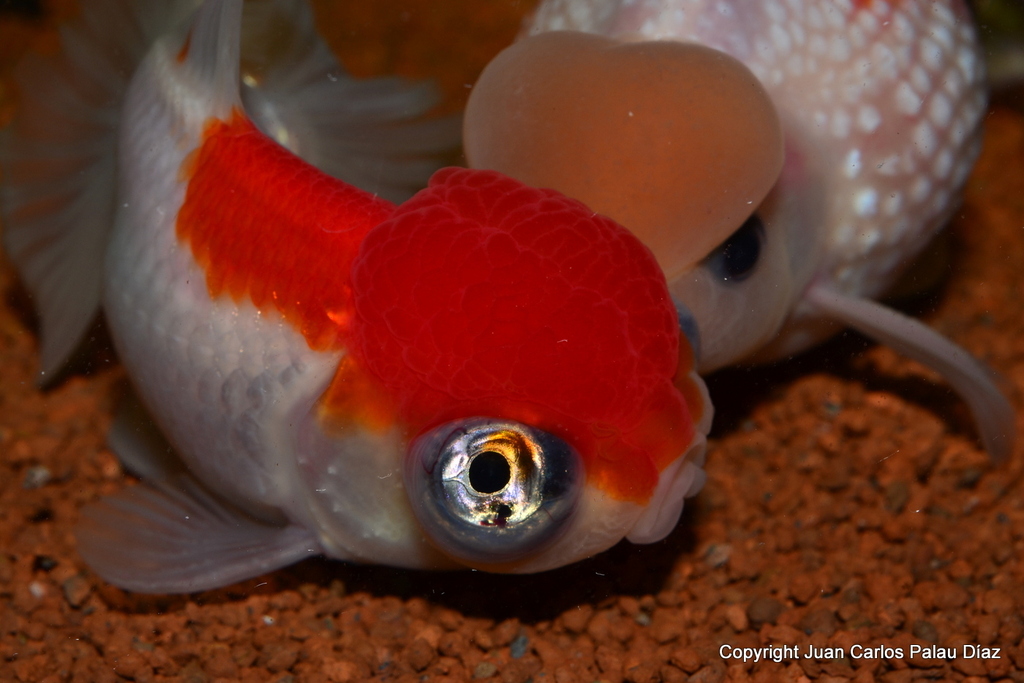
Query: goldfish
{"points": [[785, 161], [484, 375]]}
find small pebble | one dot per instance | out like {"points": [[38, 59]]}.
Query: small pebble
{"points": [[43, 563], [36, 477], [819, 621], [76, 590], [687, 659], [764, 610], [718, 555], [575, 619], [485, 670], [420, 654], [926, 631], [519, 645], [969, 478], [736, 617], [896, 496]]}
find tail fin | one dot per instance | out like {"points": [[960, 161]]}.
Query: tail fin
{"points": [[57, 160], [58, 164], [993, 414]]}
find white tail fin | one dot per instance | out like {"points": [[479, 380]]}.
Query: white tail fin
{"points": [[993, 415], [58, 158], [58, 164]]}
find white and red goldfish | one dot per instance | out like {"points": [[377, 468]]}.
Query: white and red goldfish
{"points": [[487, 375], [783, 187]]}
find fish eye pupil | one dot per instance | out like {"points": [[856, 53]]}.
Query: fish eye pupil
{"points": [[489, 473], [737, 257]]}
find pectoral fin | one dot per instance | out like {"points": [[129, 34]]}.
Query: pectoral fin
{"points": [[176, 537]]}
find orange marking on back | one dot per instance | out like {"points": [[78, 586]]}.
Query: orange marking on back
{"points": [[267, 226]]}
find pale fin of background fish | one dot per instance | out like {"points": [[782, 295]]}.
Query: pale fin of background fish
{"points": [[174, 536], [211, 54], [370, 133], [993, 415], [57, 188]]}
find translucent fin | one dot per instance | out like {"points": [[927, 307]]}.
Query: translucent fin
{"points": [[57, 160], [170, 534], [212, 51], [58, 163], [370, 133], [138, 443], [991, 410], [177, 537]]}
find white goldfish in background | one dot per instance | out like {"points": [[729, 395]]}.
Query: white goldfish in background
{"points": [[487, 375], [784, 160]]}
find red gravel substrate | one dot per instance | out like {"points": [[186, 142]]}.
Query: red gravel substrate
{"points": [[848, 504]]}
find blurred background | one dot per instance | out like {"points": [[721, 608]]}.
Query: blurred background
{"points": [[449, 41]]}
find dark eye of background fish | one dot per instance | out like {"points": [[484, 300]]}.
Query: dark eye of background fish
{"points": [[737, 257]]}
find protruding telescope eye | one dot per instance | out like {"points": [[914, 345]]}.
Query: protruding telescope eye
{"points": [[735, 259], [490, 491]]}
